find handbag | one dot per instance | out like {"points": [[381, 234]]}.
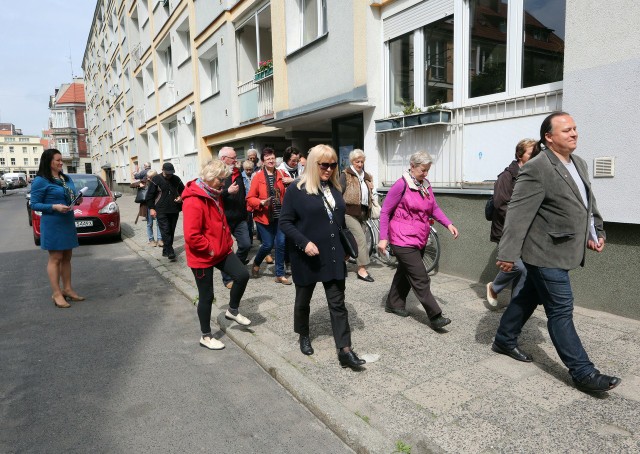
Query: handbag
{"points": [[375, 208], [347, 239], [141, 195]]}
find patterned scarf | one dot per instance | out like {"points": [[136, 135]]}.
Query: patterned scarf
{"points": [[68, 192], [421, 188], [211, 192]]}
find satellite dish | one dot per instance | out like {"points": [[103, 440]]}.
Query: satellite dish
{"points": [[187, 114]]}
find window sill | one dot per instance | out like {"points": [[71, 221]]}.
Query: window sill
{"points": [[184, 61], [299, 50], [211, 96]]}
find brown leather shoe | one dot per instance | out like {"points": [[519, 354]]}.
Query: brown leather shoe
{"points": [[255, 271], [283, 280]]}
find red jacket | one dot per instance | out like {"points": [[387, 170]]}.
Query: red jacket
{"points": [[258, 192], [205, 228]]}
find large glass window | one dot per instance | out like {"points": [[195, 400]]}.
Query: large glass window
{"points": [[401, 71], [313, 19], [488, 47], [543, 37], [438, 48], [254, 44]]}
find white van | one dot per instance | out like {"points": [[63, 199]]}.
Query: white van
{"points": [[15, 180]]}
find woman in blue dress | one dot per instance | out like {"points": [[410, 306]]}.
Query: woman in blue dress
{"points": [[52, 193]]}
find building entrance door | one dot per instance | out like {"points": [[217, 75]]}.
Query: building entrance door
{"points": [[348, 134]]}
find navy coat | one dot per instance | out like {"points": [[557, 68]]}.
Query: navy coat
{"points": [[303, 218]]}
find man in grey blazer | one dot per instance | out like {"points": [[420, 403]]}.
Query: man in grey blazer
{"points": [[551, 221]]}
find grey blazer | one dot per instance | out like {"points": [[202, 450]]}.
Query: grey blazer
{"points": [[547, 224]]}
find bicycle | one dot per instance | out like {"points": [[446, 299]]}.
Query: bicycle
{"points": [[431, 251]]}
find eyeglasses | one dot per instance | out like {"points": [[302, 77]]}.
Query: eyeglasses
{"points": [[229, 157], [328, 165]]}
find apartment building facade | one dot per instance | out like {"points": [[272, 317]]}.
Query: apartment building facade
{"points": [[67, 130], [20, 153], [175, 80]]}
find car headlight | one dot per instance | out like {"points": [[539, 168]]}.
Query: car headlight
{"points": [[111, 208]]}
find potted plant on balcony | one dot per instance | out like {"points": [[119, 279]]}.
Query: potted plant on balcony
{"points": [[265, 69]]}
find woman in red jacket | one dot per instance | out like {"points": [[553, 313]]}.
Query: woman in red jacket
{"points": [[265, 200], [208, 244]]}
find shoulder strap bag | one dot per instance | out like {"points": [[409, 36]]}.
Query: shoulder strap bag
{"points": [[346, 237]]}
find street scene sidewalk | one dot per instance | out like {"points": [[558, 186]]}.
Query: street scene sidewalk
{"points": [[421, 390]]}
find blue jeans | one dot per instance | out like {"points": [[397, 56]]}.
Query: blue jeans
{"points": [[271, 234], [516, 277], [150, 228], [241, 234], [550, 287]]}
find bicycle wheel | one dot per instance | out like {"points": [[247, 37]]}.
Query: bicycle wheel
{"points": [[431, 251]]}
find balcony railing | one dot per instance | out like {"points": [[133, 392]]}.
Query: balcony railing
{"points": [[256, 100]]}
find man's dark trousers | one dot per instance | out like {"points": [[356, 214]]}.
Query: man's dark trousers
{"points": [[167, 223], [550, 287]]}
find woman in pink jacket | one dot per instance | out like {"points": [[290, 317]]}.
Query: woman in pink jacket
{"points": [[404, 224]]}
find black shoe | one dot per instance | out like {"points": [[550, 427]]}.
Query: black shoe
{"points": [[400, 312], [596, 382], [366, 278], [305, 345], [350, 359], [515, 353], [439, 322], [172, 257]]}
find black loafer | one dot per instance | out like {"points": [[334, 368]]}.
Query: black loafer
{"points": [[305, 345], [366, 278], [400, 312], [172, 257], [596, 382], [514, 353], [439, 322], [350, 359]]}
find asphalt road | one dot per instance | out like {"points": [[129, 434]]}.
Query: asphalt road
{"points": [[123, 370]]}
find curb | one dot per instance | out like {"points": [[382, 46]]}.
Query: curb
{"points": [[351, 429]]}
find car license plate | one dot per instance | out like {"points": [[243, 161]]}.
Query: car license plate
{"points": [[84, 224]]}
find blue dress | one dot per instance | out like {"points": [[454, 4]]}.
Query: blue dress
{"points": [[57, 230]]}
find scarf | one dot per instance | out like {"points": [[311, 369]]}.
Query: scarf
{"points": [[68, 192], [211, 192], [293, 171], [421, 188]]}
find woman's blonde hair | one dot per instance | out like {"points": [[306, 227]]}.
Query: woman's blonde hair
{"points": [[214, 169], [151, 174], [356, 154], [310, 179]]}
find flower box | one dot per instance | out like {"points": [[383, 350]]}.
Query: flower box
{"points": [[414, 120], [388, 123], [263, 74]]}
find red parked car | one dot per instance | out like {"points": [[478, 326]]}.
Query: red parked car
{"points": [[97, 216]]}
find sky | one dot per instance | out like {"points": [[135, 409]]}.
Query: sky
{"points": [[37, 37]]}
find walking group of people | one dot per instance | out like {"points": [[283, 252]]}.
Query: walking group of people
{"points": [[544, 218]]}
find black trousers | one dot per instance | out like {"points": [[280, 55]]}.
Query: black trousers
{"points": [[204, 281], [411, 274], [334, 290], [167, 223]]}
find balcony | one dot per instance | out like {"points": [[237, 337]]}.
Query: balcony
{"points": [[256, 100]]}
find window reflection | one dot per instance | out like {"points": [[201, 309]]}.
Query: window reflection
{"points": [[543, 53], [438, 45], [401, 71], [488, 47]]}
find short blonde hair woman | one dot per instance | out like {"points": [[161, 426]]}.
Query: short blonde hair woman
{"points": [[312, 214], [357, 190], [208, 244]]}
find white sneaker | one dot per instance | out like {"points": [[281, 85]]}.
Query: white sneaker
{"points": [[493, 302], [211, 343], [239, 319]]}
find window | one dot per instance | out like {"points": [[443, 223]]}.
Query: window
{"points": [[11, 150], [543, 37], [26, 161], [13, 161], [313, 19], [401, 71], [438, 45], [36, 161], [488, 47], [253, 44], [213, 68], [1, 149], [2, 162], [183, 42], [35, 149], [63, 147], [24, 149], [24, 139], [208, 67]]}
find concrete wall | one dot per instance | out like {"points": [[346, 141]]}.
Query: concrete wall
{"points": [[601, 80], [608, 282]]}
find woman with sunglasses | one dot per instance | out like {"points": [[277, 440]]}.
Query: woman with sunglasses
{"points": [[404, 222], [265, 201], [312, 214]]}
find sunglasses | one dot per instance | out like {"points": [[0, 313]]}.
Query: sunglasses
{"points": [[328, 165]]}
